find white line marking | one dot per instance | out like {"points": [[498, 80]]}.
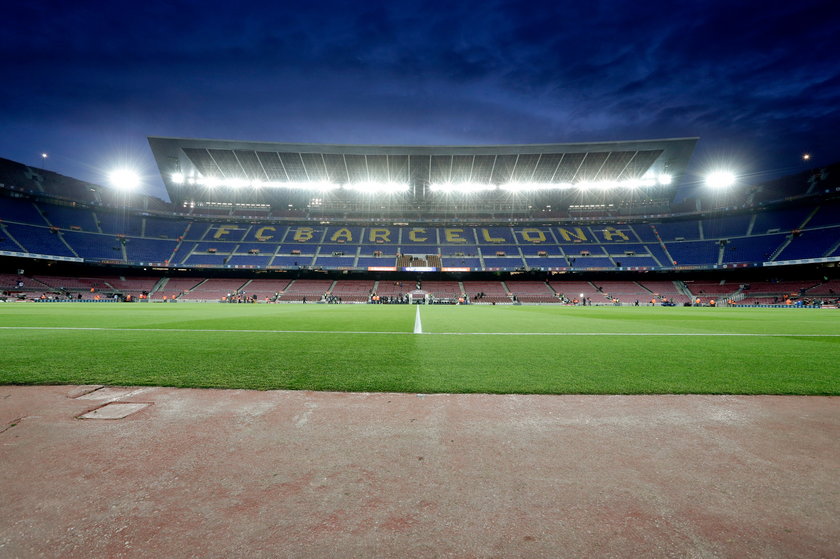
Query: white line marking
{"points": [[231, 331], [418, 326]]}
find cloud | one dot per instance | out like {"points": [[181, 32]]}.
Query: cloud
{"points": [[434, 72]]}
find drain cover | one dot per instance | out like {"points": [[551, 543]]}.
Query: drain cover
{"points": [[114, 410], [107, 393]]}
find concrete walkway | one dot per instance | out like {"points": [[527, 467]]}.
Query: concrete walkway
{"points": [[233, 473]]}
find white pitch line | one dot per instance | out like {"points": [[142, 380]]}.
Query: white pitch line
{"points": [[418, 326], [233, 331], [205, 330]]}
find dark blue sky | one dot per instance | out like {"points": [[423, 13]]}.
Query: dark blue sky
{"points": [[86, 82]]}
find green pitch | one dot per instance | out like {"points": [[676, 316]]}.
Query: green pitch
{"points": [[502, 349]]}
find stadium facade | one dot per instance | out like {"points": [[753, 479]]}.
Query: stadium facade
{"points": [[557, 216]]}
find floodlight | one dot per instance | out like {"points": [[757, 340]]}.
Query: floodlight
{"points": [[237, 183], [720, 179], [665, 179], [178, 178], [377, 187], [534, 186], [806, 156], [124, 179], [461, 187], [591, 185]]}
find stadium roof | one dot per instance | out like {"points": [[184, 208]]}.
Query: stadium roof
{"points": [[271, 173]]}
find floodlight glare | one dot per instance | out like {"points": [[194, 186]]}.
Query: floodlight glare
{"points": [[534, 186], [213, 182], [461, 187], [178, 178], [665, 179], [720, 179], [320, 186], [377, 187], [124, 179], [237, 183]]}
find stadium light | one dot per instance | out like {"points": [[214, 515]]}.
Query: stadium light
{"points": [[665, 179], [461, 187], [720, 179], [534, 186], [319, 186], [178, 178], [236, 183], [373, 187], [124, 179]]}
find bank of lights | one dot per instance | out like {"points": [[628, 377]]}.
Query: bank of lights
{"points": [[374, 187], [461, 187], [515, 187], [320, 186]]}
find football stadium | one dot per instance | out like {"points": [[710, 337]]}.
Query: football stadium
{"points": [[461, 351], [435, 255]]}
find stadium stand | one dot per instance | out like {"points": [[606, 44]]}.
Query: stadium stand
{"points": [[66, 217], [532, 291], [623, 292], [266, 289], [214, 289], [577, 291], [172, 288], [787, 224], [666, 290], [134, 286], [306, 290], [491, 292], [352, 291], [393, 289], [826, 287], [442, 289]]}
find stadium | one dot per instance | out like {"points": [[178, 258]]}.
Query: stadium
{"points": [[450, 351], [519, 224]]}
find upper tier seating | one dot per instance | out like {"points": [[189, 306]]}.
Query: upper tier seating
{"points": [[94, 232]]}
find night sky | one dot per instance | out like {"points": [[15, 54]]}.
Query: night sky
{"points": [[86, 82]]}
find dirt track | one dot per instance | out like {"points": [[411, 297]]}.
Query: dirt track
{"points": [[212, 473]]}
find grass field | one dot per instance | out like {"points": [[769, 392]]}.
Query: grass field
{"points": [[502, 349]]}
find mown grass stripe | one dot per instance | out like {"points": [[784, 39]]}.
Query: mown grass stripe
{"points": [[252, 331]]}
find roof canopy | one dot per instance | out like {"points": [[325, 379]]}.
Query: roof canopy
{"points": [[219, 170]]}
